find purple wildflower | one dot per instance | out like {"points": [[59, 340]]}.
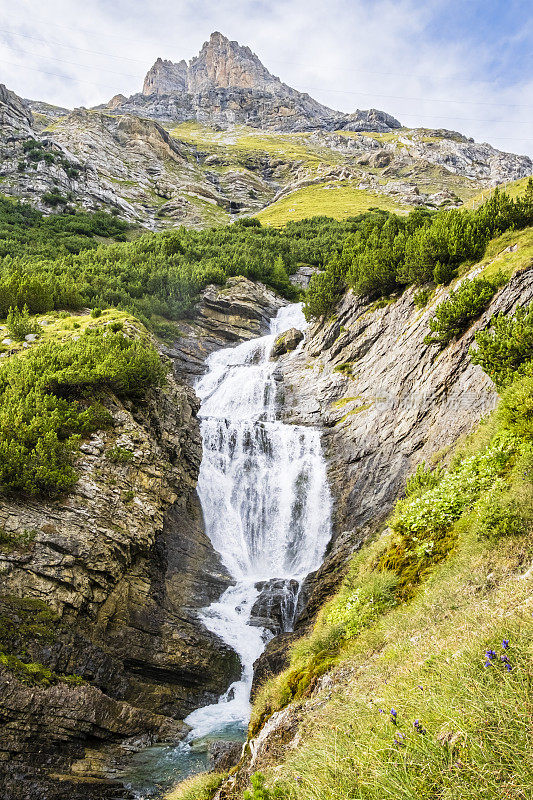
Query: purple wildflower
{"points": [[504, 659], [505, 644], [490, 654], [488, 663], [393, 712], [508, 667]]}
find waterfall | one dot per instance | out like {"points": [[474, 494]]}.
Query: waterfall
{"points": [[265, 499]]}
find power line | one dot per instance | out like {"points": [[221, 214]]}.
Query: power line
{"points": [[316, 89], [307, 88]]}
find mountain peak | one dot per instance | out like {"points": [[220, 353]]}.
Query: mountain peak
{"points": [[225, 64], [227, 84]]}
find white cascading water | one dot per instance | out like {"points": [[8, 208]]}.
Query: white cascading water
{"points": [[265, 498]]}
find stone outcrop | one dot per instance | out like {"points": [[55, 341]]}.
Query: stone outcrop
{"points": [[51, 168], [286, 342], [227, 315], [387, 401]]}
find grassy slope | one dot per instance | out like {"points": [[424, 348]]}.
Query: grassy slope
{"points": [[513, 189], [337, 199], [426, 660], [239, 148]]}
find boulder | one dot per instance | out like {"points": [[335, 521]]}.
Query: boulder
{"points": [[286, 342]]}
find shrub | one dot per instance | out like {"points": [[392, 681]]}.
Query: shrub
{"points": [[19, 323], [357, 608], [506, 346], [454, 315], [422, 479], [260, 792], [423, 523], [516, 405], [502, 512], [49, 398], [422, 297], [119, 455]]}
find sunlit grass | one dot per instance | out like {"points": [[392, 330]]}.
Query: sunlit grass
{"points": [[338, 199]]}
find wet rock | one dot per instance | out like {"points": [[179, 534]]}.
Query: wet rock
{"points": [[275, 607], [224, 755], [274, 659], [286, 342]]}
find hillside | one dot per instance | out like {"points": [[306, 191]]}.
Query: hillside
{"points": [[220, 137]]}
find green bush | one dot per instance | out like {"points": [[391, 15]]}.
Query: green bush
{"points": [[356, 608], [260, 792], [516, 405], [455, 314], [422, 479], [502, 512], [388, 251], [506, 346], [422, 297], [119, 455], [20, 325], [49, 399]]}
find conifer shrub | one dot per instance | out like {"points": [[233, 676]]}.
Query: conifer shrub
{"points": [[20, 324], [505, 346], [455, 314], [49, 398]]}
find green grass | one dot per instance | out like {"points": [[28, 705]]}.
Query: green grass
{"points": [[337, 199], [513, 188], [509, 252], [198, 787]]}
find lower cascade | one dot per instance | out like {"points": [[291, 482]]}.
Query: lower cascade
{"points": [[266, 504]]}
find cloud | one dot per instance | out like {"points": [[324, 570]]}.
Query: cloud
{"points": [[443, 63]]}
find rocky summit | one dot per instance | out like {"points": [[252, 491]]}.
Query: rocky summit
{"points": [[226, 84]]}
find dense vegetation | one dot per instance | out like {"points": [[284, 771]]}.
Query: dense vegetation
{"points": [[465, 304], [388, 252], [53, 262], [28, 234], [49, 398], [430, 625]]}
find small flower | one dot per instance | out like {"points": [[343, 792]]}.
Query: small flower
{"points": [[504, 659], [505, 644], [381, 711], [393, 712], [490, 654], [488, 663], [508, 667]]}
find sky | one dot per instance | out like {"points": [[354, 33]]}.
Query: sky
{"points": [[465, 65]]}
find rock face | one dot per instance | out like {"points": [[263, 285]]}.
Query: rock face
{"points": [[286, 342], [36, 173], [227, 84], [239, 311], [386, 402], [124, 563]]}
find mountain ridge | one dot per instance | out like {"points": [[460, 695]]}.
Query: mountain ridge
{"points": [[227, 84]]}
